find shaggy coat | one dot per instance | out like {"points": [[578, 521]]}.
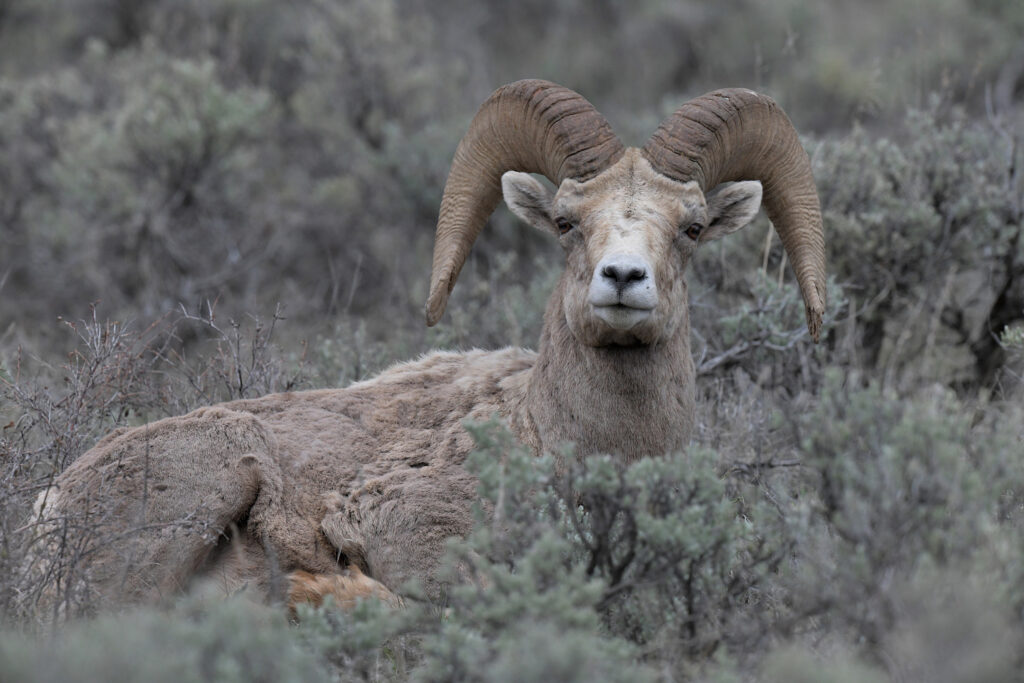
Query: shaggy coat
{"points": [[370, 476]]}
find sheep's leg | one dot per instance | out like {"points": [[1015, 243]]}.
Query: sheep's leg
{"points": [[135, 517], [345, 589]]}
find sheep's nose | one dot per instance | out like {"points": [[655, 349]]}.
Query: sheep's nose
{"points": [[624, 272], [623, 280]]}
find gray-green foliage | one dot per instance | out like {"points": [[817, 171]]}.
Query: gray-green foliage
{"points": [[907, 491], [928, 224], [950, 629], [657, 554], [765, 334], [899, 531], [152, 167], [365, 643], [164, 177], [891, 470], [516, 583], [683, 556], [229, 641]]}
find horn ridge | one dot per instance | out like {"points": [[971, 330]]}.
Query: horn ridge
{"points": [[737, 134], [533, 126]]}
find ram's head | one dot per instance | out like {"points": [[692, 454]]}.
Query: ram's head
{"points": [[629, 219]]}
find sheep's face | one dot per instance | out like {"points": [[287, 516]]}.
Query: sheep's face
{"points": [[628, 234]]}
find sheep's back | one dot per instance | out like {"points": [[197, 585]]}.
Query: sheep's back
{"points": [[375, 470]]}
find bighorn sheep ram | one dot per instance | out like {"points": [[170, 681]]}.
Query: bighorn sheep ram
{"points": [[353, 491]]}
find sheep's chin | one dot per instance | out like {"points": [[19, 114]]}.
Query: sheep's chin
{"points": [[622, 318]]}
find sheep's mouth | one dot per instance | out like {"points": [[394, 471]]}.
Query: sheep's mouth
{"points": [[622, 317]]}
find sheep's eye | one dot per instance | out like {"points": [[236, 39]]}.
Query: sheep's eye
{"points": [[693, 232], [564, 225]]}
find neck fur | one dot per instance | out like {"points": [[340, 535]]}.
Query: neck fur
{"points": [[625, 401]]}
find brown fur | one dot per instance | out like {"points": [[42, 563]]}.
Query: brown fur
{"points": [[373, 471]]}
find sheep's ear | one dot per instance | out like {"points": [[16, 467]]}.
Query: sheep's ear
{"points": [[730, 207], [529, 199]]}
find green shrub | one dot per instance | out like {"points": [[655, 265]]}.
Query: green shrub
{"points": [[905, 489], [523, 585], [928, 228], [229, 641], [766, 335], [656, 553]]}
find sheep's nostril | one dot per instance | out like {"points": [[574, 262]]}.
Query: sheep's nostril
{"points": [[622, 274]]}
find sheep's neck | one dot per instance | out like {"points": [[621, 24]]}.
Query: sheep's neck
{"points": [[628, 402]]}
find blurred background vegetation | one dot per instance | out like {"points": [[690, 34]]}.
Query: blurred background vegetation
{"points": [[167, 153], [207, 199]]}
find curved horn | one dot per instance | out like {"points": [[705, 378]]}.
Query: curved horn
{"points": [[737, 134], [531, 126]]}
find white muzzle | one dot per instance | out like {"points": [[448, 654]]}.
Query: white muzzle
{"points": [[622, 290]]}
